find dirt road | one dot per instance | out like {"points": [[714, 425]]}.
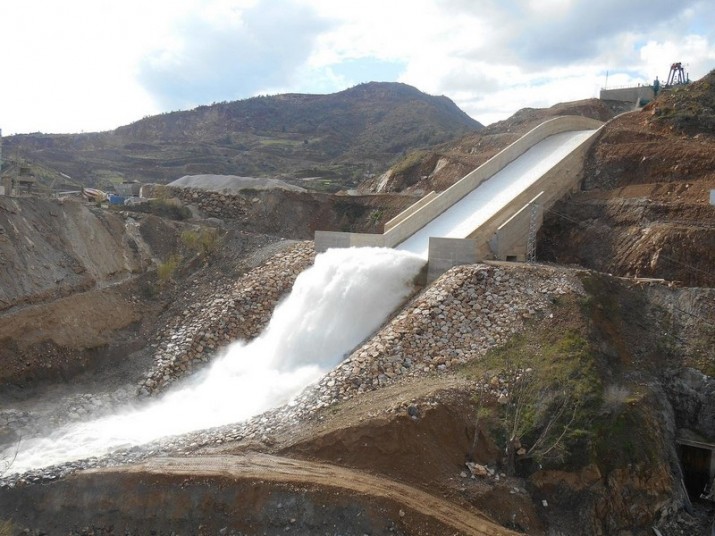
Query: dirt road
{"points": [[286, 470]]}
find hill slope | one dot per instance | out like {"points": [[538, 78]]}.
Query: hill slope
{"points": [[644, 208], [342, 136], [437, 168]]}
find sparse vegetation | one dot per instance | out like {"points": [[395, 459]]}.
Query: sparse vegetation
{"points": [[548, 394], [554, 391], [166, 270], [203, 241], [7, 528], [375, 216]]}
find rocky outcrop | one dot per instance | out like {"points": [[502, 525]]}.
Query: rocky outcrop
{"points": [[52, 248], [692, 395]]}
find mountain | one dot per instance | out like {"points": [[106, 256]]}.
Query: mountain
{"points": [[340, 138]]}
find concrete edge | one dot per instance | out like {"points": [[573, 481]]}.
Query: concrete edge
{"points": [[421, 217]]}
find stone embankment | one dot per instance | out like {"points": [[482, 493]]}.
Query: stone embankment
{"points": [[462, 315], [240, 313], [213, 204], [466, 312]]}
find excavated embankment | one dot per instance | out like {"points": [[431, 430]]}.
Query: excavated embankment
{"points": [[450, 325]]}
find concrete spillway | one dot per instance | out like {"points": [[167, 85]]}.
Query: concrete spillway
{"points": [[495, 194], [488, 206]]}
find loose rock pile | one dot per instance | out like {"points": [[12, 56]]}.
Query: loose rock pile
{"points": [[241, 313], [469, 310]]}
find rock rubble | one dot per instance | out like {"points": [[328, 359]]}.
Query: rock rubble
{"points": [[239, 312], [214, 204], [467, 311]]}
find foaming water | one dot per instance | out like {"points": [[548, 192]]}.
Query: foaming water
{"points": [[333, 306]]}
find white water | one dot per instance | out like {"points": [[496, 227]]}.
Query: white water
{"points": [[334, 305]]}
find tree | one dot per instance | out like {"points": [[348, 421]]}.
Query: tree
{"points": [[539, 415]]}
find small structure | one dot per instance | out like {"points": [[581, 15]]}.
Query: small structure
{"points": [[25, 180], [698, 461], [638, 95], [641, 95], [677, 75], [128, 188], [14, 182], [712, 197], [7, 185]]}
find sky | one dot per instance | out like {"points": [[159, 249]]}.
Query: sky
{"points": [[93, 65]]}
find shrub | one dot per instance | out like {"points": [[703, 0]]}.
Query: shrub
{"points": [[203, 241], [166, 270]]}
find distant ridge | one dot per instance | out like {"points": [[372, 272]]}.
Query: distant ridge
{"points": [[341, 137]]}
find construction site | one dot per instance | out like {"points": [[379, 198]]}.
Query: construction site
{"points": [[510, 335]]}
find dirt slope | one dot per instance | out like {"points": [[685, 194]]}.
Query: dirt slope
{"points": [[50, 248], [438, 168], [644, 210], [271, 468]]}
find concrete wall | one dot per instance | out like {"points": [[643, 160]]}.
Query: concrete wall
{"points": [[563, 178], [511, 237], [421, 217], [337, 239], [628, 94], [445, 253], [409, 211]]}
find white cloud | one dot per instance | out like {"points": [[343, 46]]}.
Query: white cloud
{"points": [[88, 65]]}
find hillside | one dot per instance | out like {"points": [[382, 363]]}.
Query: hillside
{"points": [[339, 138], [562, 397], [644, 210]]}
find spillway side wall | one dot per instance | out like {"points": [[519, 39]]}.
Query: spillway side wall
{"points": [[564, 177], [410, 210], [415, 221]]}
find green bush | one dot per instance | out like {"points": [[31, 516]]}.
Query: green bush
{"points": [[203, 241], [166, 270]]}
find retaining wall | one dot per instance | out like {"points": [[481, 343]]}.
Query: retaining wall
{"points": [[561, 179], [511, 239], [628, 94]]}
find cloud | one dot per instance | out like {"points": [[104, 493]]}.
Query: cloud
{"points": [[87, 65], [549, 33], [253, 50], [585, 30]]}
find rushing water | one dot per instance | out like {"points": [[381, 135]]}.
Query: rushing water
{"points": [[333, 306]]}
